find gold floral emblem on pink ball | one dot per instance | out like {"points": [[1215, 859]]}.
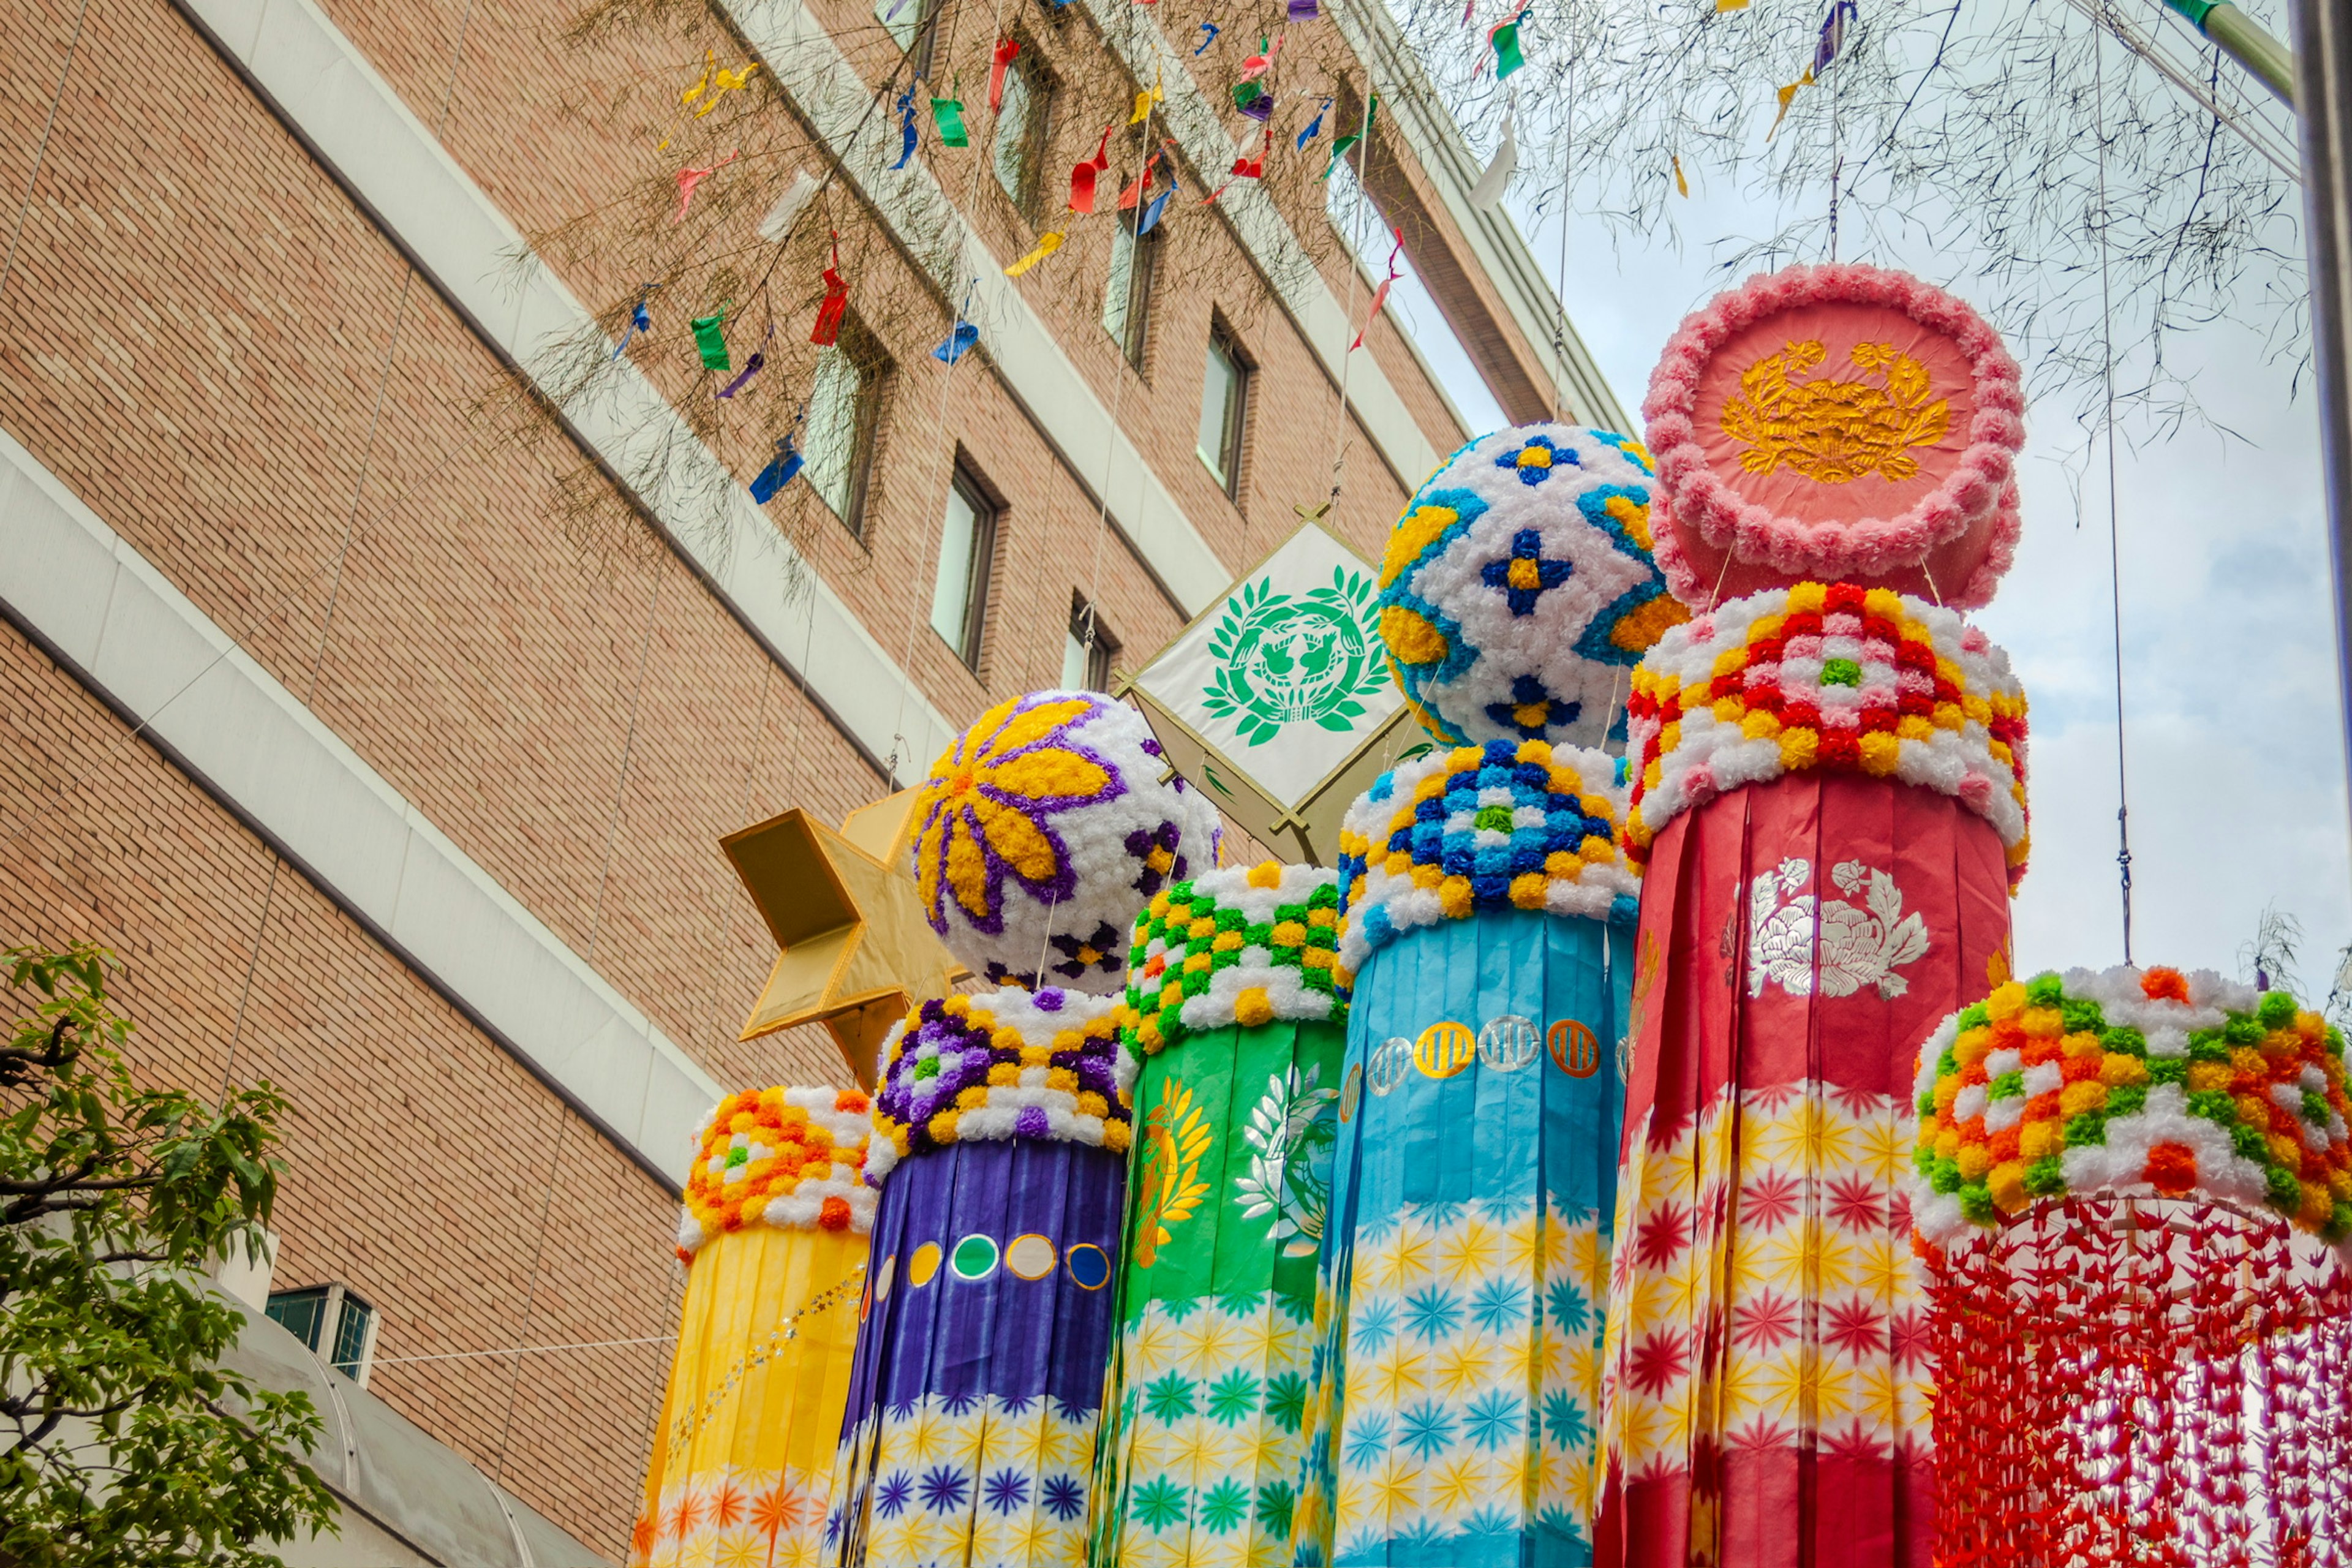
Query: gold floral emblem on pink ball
{"points": [[1835, 431]]}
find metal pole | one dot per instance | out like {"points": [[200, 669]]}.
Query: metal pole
{"points": [[2323, 42], [2243, 40]]}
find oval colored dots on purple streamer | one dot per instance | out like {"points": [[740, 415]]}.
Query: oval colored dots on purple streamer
{"points": [[1090, 1266]]}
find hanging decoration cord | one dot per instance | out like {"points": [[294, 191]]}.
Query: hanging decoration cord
{"points": [[2115, 544]]}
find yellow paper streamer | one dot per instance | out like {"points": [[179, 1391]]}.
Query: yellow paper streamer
{"points": [[1723, 6], [1680, 184], [1786, 93], [709, 61], [1143, 102], [727, 81], [1046, 245]]}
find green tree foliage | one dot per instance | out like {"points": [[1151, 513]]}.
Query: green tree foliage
{"points": [[122, 1439]]}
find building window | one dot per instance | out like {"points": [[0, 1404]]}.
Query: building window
{"points": [[1127, 294], [1225, 404], [845, 410], [331, 1320], [967, 542], [908, 24], [1020, 127], [1086, 668]]}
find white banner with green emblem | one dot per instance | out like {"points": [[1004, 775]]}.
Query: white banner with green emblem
{"points": [[1277, 698]]}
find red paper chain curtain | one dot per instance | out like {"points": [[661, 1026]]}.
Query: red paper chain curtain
{"points": [[2162, 1383]]}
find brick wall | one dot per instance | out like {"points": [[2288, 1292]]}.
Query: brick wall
{"points": [[205, 340]]}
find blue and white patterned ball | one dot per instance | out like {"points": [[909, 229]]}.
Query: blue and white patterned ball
{"points": [[1518, 589]]}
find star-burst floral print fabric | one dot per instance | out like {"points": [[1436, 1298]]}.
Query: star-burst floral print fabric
{"points": [[977, 1387], [1041, 1065], [1205, 1424], [1040, 831], [1517, 588], [1455, 1389]]}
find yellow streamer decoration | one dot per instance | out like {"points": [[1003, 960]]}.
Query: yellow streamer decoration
{"points": [[718, 81], [1046, 245], [1786, 93], [1723, 6], [1680, 184]]}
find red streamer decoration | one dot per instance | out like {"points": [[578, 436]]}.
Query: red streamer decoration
{"points": [[1083, 177], [1000, 62], [836, 303], [2144, 1381], [1381, 294], [1142, 182], [690, 178]]}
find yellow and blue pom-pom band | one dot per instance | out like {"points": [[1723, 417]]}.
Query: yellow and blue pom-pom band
{"points": [[1243, 946], [1528, 826]]}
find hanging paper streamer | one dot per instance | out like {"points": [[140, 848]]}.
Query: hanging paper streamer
{"points": [[1304, 10], [1313, 127], [1381, 294], [775, 1249], [1084, 175], [1681, 183], [1340, 148], [709, 62], [710, 337], [1239, 1038], [1143, 102], [1257, 64], [641, 320], [836, 303], [1787, 94], [727, 81], [977, 1386], [1046, 245], [1831, 42], [999, 63], [1488, 190], [1210, 28], [777, 226], [1723, 6], [1150, 220], [1479, 1100], [964, 335], [906, 128], [1253, 101], [1141, 183], [1505, 36], [687, 179], [752, 367], [947, 113], [778, 473]]}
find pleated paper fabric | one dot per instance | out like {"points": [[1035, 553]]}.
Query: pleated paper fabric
{"points": [[1768, 1337], [1465, 1265], [742, 1462], [1237, 1103], [970, 1434]]}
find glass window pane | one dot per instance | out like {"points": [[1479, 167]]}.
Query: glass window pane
{"points": [[904, 18], [1014, 126], [1076, 671], [831, 438], [1218, 386], [952, 591], [351, 1335], [1118, 289], [298, 1313]]}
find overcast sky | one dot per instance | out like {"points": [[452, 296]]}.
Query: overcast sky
{"points": [[2235, 755]]}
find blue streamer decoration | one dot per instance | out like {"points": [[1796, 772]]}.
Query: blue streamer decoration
{"points": [[906, 128], [752, 367], [1151, 213], [640, 321], [1314, 126], [1212, 29], [960, 339], [778, 473]]}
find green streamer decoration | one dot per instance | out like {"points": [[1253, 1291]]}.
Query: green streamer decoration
{"points": [[947, 113], [710, 337], [1506, 39]]}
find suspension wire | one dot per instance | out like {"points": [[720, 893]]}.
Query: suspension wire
{"points": [[2115, 544], [1567, 200]]}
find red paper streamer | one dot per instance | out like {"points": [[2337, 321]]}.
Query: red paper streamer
{"points": [[836, 303], [690, 178], [1381, 294], [1257, 65], [1002, 61], [1134, 192], [1083, 177]]}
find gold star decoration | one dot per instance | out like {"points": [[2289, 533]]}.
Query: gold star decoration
{"points": [[855, 951]]}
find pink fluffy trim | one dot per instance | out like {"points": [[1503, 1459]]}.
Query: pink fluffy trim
{"points": [[1698, 521]]}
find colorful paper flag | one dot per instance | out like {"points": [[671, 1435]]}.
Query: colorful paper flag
{"points": [[727, 81], [1381, 294], [1723, 6], [1210, 28], [1788, 93], [1314, 126], [1505, 36], [777, 474], [1246, 97], [1681, 183], [1084, 175], [1046, 245], [947, 113], [1258, 64], [690, 178], [1305, 10], [1001, 61], [964, 335], [1143, 102], [1142, 181], [827, 330], [777, 226], [1831, 42], [1340, 148], [710, 337], [1497, 178], [906, 128], [1150, 220], [640, 321], [752, 367]]}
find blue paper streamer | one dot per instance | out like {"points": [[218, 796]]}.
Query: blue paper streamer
{"points": [[1314, 126], [640, 321], [906, 128], [959, 341], [1151, 213], [778, 473], [1210, 28]]}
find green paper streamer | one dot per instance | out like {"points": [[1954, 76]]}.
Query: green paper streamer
{"points": [[1508, 58], [1340, 148], [947, 113], [1246, 93], [710, 337]]}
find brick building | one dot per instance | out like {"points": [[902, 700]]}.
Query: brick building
{"points": [[391, 790]]}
